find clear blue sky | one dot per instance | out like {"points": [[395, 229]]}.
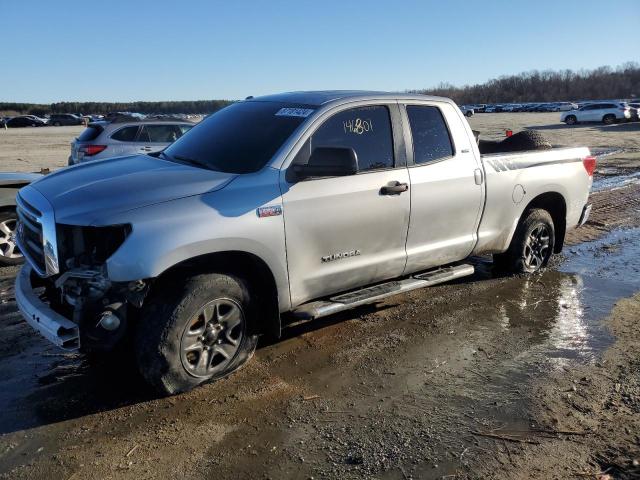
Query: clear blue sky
{"points": [[124, 50]]}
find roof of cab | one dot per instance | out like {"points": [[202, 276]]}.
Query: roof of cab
{"points": [[322, 97]]}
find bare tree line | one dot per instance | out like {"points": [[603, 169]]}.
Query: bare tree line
{"points": [[622, 82]]}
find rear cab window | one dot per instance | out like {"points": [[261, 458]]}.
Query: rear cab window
{"points": [[431, 137], [365, 129]]}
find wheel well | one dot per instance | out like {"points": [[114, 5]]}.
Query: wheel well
{"points": [[249, 268], [555, 204]]}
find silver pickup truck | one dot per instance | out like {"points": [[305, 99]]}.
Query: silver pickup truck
{"points": [[296, 205]]}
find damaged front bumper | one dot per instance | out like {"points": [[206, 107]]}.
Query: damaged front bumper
{"points": [[54, 327]]}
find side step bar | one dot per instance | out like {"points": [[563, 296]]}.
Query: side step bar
{"points": [[345, 301]]}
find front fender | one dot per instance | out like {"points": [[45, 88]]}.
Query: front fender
{"points": [[164, 235]]}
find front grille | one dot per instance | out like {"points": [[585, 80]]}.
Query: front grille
{"points": [[30, 236]]}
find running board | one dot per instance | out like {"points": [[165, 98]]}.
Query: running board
{"points": [[345, 301]]}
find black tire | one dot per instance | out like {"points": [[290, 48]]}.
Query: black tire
{"points": [[609, 119], [525, 140], [172, 319], [518, 142], [469, 114], [571, 120], [518, 258], [9, 253]]}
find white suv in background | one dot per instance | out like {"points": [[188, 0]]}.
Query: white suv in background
{"points": [[605, 112], [122, 137]]}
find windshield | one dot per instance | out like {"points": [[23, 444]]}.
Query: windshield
{"points": [[240, 138]]}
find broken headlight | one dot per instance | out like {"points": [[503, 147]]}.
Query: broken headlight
{"points": [[89, 245]]}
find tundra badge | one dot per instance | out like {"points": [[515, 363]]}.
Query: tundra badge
{"points": [[338, 256]]}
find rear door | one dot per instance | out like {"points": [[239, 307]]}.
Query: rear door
{"points": [[343, 232], [447, 187]]}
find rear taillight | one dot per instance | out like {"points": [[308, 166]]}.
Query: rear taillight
{"points": [[589, 164], [90, 150]]}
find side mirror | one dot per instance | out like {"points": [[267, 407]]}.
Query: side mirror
{"points": [[328, 162]]}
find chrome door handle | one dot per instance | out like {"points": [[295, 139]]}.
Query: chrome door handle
{"points": [[394, 188]]}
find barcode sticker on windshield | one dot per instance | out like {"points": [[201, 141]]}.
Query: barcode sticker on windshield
{"points": [[294, 112]]}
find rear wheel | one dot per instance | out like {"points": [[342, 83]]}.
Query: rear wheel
{"points": [[609, 119], [532, 244], [195, 331], [9, 252], [571, 120]]}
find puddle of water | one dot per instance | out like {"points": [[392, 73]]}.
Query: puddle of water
{"points": [[615, 182], [591, 279], [601, 152], [615, 257]]}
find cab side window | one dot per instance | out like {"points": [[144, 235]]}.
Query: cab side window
{"points": [[365, 129], [431, 139]]}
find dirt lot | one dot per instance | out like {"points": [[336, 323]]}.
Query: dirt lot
{"points": [[492, 377]]}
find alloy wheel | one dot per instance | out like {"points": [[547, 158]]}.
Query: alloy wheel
{"points": [[8, 247], [536, 248], [212, 338]]}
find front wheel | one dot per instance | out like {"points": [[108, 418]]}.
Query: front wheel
{"points": [[571, 120], [195, 331], [532, 244]]}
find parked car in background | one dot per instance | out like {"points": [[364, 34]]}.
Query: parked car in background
{"points": [[478, 107], [58, 119], [26, 121], [467, 110], [566, 106], [42, 119], [606, 112], [126, 136], [10, 183], [635, 111], [493, 108]]}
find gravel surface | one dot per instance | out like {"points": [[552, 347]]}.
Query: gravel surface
{"points": [[489, 377]]}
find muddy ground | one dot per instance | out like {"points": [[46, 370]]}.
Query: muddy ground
{"points": [[491, 377]]}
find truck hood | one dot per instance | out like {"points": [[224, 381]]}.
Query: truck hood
{"points": [[85, 193]]}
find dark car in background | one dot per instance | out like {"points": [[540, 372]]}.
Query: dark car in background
{"points": [[59, 119], [25, 121]]}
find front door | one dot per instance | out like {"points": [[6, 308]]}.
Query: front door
{"points": [[344, 232], [446, 188]]}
